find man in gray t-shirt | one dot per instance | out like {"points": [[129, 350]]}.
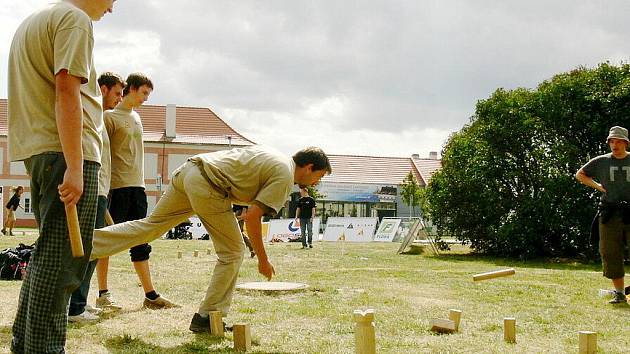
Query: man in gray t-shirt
{"points": [[612, 173]]}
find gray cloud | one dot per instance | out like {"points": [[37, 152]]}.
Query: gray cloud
{"points": [[380, 66]]}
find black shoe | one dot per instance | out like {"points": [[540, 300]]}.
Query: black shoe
{"points": [[619, 298], [627, 290], [202, 324], [4, 232], [310, 246]]}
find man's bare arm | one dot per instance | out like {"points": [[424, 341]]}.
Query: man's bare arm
{"points": [[254, 231], [69, 118], [588, 181]]}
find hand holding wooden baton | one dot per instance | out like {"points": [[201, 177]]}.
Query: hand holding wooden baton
{"points": [[74, 231]]}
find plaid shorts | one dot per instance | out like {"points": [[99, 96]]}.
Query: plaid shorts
{"points": [[52, 274]]}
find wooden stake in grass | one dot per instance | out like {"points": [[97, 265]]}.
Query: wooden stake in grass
{"points": [[196, 253], [494, 274], [179, 254], [588, 342], [242, 337], [216, 323], [364, 334], [455, 316], [509, 329]]}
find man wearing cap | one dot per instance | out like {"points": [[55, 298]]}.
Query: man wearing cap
{"points": [[612, 173]]}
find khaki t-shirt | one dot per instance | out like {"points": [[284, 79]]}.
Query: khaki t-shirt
{"points": [[249, 175], [104, 174], [55, 38], [127, 148]]}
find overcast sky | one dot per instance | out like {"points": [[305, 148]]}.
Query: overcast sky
{"points": [[364, 77]]}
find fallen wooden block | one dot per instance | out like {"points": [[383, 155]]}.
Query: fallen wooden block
{"points": [[588, 342], [494, 274], [509, 329], [242, 337], [442, 326]]}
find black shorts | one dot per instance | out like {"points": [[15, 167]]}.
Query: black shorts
{"points": [[127, 204]]}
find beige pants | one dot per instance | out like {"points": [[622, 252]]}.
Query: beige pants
{"points": [[189, 193]]}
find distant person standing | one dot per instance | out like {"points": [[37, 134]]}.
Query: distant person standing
{"points": [[10, 208], [304, 213], [610, 175]]}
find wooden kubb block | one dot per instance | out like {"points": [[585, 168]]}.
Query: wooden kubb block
{"points": [[442, 326], [509, 329], [196, 253], [588, 342], [242, 337], [179, 254], [364, 333], [216, 323]]}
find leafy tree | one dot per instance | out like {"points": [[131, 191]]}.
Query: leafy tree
{"points": [[411, 192], [507, 182]]}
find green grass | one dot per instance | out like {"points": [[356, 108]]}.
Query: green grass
{"points": [[551, 301]]}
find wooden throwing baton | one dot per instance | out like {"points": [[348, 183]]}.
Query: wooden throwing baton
{"points": [[74, 232]]}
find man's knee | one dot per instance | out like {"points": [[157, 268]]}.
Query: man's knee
{"points": [[140, 253]]}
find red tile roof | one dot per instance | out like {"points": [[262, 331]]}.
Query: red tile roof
{"points": [[378, 170], [427, 167], [193, 126]]}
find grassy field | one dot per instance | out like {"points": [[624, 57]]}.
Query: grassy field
{"points": [[551, 301]]}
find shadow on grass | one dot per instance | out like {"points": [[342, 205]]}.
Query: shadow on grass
{"points": [[546, 263], [202, 343], [6, 336]]}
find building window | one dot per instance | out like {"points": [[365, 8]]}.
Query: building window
{"points": [[27, 205]]}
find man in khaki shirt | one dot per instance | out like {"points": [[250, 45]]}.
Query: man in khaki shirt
{"points": [[127, 198], [207, 185], [111, 86], [55, 124]]}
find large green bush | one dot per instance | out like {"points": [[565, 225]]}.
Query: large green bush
{"points": [[507, 184]]}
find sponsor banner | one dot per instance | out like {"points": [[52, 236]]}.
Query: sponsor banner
{"points": [[387, 230], [350, 229], [353, 192], [404, 228], [286, 230], [197, 229]]}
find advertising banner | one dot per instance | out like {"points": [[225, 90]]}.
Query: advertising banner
{"points": [[354, 192], [197, 229], [287, 230], [387, 230], [350, 229]]}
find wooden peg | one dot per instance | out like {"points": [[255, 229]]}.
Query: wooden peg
{"points": [[494, 274], [216, 323], [455, 316], [509, 329], [242, 337], [179, 254], [364, 333], [588, 342]]}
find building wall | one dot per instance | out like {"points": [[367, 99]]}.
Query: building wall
{"points": [[160, 160]]}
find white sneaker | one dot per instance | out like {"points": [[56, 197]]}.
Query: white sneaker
{"points": [[83, 318], [92, 309], [106, 301]]}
